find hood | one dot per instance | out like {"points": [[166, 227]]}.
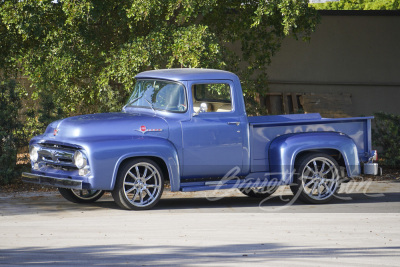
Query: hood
{"points": [[107, 124]]}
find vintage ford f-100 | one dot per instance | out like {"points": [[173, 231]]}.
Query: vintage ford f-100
{"points": [[189, 127]]}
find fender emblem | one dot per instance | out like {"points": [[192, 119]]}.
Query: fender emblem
{"points": [[56, 131], [143, 130]]}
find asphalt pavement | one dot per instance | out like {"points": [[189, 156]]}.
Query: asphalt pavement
{"points": [[361, 227]]}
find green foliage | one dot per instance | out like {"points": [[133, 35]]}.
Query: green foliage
{"points": [[83, 55], [359, 5], [10, 128], [386, 134]]}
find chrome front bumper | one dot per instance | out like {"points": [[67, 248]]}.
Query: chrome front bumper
{"points": [[51, 181]]}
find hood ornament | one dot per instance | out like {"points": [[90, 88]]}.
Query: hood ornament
{"points": [[56, 131], [144, 130]]}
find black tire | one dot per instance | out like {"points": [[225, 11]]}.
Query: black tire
{"points": [[317, 178], [259, 192], [134, 188], [81, 196]]}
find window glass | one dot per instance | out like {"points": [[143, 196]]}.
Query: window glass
{"points": [[217, 96], [160, 95]]}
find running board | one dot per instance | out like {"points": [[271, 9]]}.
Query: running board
{"points": [[225, 184]]}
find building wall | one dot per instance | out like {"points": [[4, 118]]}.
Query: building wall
{"points": [[350, 53]]}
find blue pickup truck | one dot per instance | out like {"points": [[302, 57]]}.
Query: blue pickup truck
{"points": [[189, 128]]}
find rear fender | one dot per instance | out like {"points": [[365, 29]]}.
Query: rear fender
{"points": [[284, 150]]}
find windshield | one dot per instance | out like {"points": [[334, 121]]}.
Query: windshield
{"points": [[160, 95]]}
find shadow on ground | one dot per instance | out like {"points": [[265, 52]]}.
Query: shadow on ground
{"points": [[379, 203], [183, 255]]}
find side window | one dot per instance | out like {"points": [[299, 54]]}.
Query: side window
{"points": [[217, 96]]}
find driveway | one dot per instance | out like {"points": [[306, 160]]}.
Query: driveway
{"points": [[205, 228]]}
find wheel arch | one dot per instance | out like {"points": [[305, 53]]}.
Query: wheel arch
{"points": [[163, 153], [286, 149], [160, 162], [334, 153]]}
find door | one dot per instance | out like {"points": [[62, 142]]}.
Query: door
{"points": [[213, 138]]}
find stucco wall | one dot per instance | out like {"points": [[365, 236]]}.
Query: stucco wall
{"points": [[351, 54]]}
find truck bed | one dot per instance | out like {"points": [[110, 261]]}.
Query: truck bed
{"points": [[263, 129]]}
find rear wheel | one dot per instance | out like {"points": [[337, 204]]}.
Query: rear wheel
{"points": [[317, 179], [139, 184], [81, 196]]}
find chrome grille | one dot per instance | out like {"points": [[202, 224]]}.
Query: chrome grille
{"points": [[56, 155]]}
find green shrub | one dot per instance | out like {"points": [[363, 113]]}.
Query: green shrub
{"points": [[10, 128], [386, 134], [359, 5]]}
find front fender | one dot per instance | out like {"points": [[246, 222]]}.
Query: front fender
{"points": [[159, 148], [105, 158], [284, 149]]}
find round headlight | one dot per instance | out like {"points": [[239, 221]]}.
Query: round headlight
{"points": [[80, 160], [33, 152]]}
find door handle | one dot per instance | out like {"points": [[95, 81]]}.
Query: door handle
{"points": [[234, 123]]}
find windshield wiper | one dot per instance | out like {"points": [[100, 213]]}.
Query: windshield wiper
{"points": [[133, 101], [151, 105], [137, 98]]}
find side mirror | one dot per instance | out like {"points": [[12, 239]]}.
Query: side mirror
{"points": [[203, 108]]}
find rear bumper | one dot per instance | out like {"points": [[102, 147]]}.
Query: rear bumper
{"points": [[371, 168], [51, 181]]}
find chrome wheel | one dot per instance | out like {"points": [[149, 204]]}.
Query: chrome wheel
{"points": [[87, 194], [140, 185], [81, 196], [318, 179]]}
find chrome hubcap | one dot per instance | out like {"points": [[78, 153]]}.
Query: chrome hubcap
{"points": [[320, 178], [142, 184]]}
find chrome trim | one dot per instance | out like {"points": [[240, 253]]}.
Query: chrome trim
{"points": [[57, 156], [214, 183], [51, 181]]}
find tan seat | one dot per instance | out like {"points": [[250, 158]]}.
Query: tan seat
{"points": [[225, 107]]}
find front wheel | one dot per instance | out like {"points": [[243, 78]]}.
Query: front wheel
{"points": [[139, 184], [81, 196], [317, 179]]}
